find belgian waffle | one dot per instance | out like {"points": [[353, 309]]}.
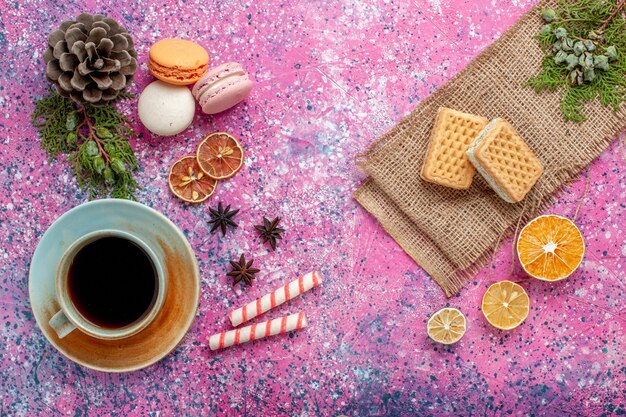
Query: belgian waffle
{"points": [[446, 162], [503, 158]]}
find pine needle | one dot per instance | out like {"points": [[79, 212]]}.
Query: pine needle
{"points": [[608, 86], [95, 140]]}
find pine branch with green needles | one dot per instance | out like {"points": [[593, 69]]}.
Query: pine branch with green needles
{"points": [[95, 140], [585, 44]]}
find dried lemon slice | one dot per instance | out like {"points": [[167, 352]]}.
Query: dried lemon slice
{"points": [[505, 305], [220, 155], [446, 326], [550, 248], [188, 182]]}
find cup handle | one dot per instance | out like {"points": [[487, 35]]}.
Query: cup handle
{"points": [[61, 324]]}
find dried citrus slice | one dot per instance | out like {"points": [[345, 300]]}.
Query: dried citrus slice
{"points": [[220, 155], [446, 326], [505, 305], [550, 248], [188, 182]]}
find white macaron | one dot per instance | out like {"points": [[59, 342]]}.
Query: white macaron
{"points": [[166, 109]]}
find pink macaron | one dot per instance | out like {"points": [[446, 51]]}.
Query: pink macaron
{"points": [[222, 87]]}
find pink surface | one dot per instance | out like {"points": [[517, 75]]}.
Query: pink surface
{"points": [[329, 78]]}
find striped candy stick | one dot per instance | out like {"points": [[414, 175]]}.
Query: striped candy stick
{"points": [[275, 298], [258, 331]]}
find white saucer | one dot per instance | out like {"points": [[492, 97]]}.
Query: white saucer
{"points": [[181, 270]]}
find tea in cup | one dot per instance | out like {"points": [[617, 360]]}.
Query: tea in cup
{"points": [[109, 284]]}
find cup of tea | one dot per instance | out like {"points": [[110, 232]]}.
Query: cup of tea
{"points": [[109, 284]]}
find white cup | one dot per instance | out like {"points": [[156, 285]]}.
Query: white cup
{"points": [[68, 318]]}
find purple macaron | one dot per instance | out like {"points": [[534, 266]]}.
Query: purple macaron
{"points": [[222, 87]]}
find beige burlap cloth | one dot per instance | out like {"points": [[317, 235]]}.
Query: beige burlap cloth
{"points": [[452, 233]]}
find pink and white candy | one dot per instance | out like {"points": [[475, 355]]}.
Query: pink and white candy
{"points": [[275, 298], [258, 331]]}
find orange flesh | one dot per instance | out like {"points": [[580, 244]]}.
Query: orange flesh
{"points": [[446, 326], [188, 182], [550, 248], [505, 305], [220, 155]]}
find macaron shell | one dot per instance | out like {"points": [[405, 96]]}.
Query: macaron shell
{"points": [[166, 109], [222, 88], [227, 96], [177, 61], [179, 53], [213, 75]]}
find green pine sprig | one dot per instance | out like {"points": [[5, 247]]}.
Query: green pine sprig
{"points": [[95, 140], [604, 21]]}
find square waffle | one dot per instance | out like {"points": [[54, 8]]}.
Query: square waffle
{"points": [[446, 162], [503, 158]]}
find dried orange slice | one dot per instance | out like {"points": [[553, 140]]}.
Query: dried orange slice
{"points": [[446, 326], [220, 155], [188, 182], [505, 305], [550, 248]]}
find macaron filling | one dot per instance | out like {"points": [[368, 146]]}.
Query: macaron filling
{"points": [[472, 157], [175, 72]]}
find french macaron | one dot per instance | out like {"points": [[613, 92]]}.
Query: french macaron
{"points": [[166, 109], [178, 61], [222, 87]]}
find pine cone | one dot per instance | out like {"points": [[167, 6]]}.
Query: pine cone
{"points": [[90, 60]]}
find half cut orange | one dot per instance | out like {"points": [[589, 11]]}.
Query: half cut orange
{"points": [[220, 155], [505, 305], [446, 326], [550, 248], [188, 182]]}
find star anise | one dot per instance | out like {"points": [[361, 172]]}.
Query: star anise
{"points": [[270, 231], [243, 271], [222, 218]]}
